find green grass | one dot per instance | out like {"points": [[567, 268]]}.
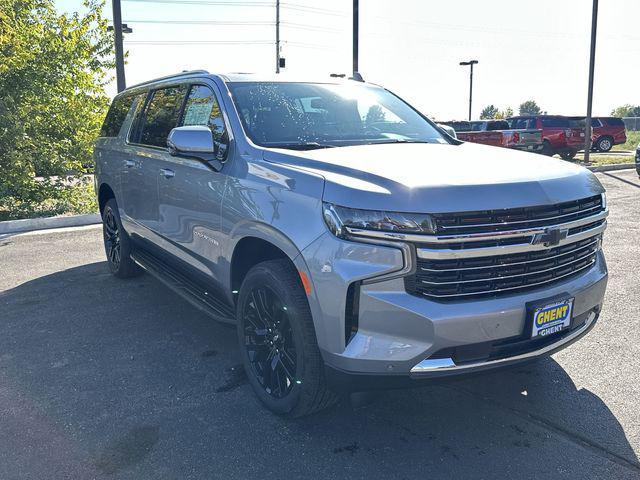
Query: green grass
{"points": [[633, 139], [598, 160]]}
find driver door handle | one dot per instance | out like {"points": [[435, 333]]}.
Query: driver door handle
{"points": [[167, 173]]}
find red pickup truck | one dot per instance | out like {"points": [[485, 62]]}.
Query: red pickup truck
{"points": [[498, 134], [607, 132], [559, 134]]}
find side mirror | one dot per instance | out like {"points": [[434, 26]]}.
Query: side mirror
{"points": [[196, 141]]}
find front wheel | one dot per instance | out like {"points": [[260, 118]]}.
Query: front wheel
{"points": [[604, 144], [568, 154], [117, 244], [278, 342], [547, 149]]}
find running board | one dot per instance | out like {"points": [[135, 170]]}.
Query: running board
{"points": [[195, 294]]}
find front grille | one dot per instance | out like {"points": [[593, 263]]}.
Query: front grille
{"points": [[516, 218], [495, 275]]}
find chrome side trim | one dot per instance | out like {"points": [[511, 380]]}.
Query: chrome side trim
{"points": [[470, 237], [526, 246], [441, 365]]}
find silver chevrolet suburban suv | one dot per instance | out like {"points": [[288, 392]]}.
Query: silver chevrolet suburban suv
{"points": [[353, 243]]}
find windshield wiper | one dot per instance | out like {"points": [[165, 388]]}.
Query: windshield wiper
{"points": [[300, 146], [399, 140]]}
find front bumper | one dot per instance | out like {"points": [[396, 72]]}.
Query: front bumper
{"points": [[402, 337]]}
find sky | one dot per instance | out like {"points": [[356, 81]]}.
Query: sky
{"points": [[526, 49]]}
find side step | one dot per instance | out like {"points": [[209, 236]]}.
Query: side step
{"points": [[195, 294]]}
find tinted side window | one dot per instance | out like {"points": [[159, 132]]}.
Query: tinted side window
{"points": [[161, 115], [116, 115], [498, 125], [555, 122], [202, 108], [615, 122]]}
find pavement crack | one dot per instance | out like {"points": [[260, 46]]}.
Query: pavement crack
{"points": [[573, 437]]}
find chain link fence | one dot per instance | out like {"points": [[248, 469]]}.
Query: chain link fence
{"points": [[632, 123]]}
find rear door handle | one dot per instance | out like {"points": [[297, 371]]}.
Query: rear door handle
{"points": [[129, 163], [167, 173]]}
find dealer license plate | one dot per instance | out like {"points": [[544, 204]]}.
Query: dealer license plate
{"points": [[552, 318]]}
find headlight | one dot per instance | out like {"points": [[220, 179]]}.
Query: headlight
{"points": [[342, 220]]}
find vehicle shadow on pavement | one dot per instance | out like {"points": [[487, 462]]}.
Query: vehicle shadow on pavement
{"points": [[123, 379]]}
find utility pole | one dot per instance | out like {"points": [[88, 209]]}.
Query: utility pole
{"points": [[470, 63], [277, 36], [117, 30], [355, 36], [592, 64]]}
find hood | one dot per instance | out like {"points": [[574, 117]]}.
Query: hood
{"points": [[413, 177]]}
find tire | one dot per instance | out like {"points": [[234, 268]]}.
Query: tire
{"points": [[117, 244], [547, 149], [568, 154], [604, 144], [278, 343]]}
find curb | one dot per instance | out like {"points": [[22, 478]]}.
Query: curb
{"points": [[607, 168], [29, 224]]}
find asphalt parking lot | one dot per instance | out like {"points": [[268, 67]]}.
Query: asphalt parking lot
{"points": [[104, 378]]}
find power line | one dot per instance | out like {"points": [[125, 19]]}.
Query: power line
{"points": [[197, 42], [203, 22], [208, 2], [236, 23], [308, 9]]}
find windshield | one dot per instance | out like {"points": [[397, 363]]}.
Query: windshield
{"points": [[310, 115]]}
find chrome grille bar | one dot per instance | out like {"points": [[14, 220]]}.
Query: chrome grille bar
{"points": [[498, 290], [506, 277], [532, 220], [499, 265]]}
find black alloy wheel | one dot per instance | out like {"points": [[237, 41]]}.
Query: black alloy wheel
{"points": [[117, 244], [269, 342], [278, 343], [111, 233]]}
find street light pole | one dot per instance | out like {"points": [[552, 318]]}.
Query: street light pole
{"points": [[277, 36], [117, 31], [470, 63], [356, 14], [592, 64]]}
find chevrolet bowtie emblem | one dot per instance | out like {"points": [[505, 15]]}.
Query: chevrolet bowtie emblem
{"points": [[550, 237]]}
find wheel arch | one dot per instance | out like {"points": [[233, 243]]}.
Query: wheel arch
{"points": [[253, 243], [105, 193]]}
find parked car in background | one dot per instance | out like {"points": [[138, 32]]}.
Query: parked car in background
{"points": [[351, 242], [498, 134], [559, 136], [606, 132]]}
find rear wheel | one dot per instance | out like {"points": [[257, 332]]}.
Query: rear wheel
{"points": [[278, 342], [568, 154], [604, 144], [117, 244], [547, 149]]}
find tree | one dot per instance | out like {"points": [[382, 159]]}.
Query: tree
{"points": [[626, 111], [530, 107], [375, 114], [489, 112], [52, 101], [507, 112]]}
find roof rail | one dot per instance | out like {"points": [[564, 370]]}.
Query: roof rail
{"points": [[184, 73]]}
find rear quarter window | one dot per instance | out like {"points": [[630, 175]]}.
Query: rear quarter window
{"points": [[555, 122], [116, 115], [615, 122]]}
